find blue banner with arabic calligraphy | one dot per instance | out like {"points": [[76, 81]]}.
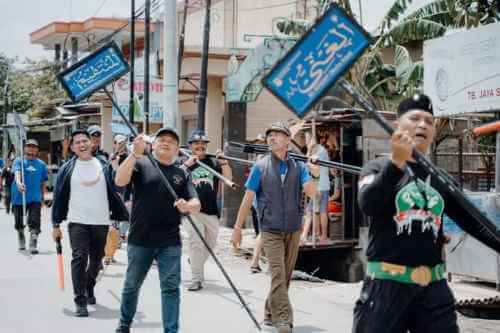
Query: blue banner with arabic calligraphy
{"points": [[321, 57], [93, 72]]}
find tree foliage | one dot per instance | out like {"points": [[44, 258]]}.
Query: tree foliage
{"points": [[30, 88]]}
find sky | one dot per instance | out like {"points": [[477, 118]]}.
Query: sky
{"points": [[21, 17]]}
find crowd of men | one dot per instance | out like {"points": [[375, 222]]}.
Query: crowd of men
{"points": [[95, 194]]}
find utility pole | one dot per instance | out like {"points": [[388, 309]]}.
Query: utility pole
{"points": [[497, 161], [132, 63], [146, 64], [181, 39], [202, 95], [360, 13], [170, 66]]}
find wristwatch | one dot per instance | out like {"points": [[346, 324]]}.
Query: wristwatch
{"points": [[313, 176]]}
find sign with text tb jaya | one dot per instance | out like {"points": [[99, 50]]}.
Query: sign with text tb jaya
{"points": [[462, 71], [93, 72], [315, 62]]}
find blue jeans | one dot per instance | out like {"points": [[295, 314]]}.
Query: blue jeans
{"points": [[169, 266]]}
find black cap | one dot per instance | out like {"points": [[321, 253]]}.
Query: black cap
{"points": [[167, 130], [416, 102], [78, 131], [32, 142], [278, 127], [198, 135]]}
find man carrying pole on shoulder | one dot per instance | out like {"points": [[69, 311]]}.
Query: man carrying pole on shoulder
{"points": [[278, 182], [156, 218], [405, 289], [207, 221]]}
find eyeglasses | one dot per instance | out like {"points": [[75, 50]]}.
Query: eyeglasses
{"points": [[96, 135]]}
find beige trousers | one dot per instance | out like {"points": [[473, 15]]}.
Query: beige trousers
{"points": [[208, 225], [282, 250]]}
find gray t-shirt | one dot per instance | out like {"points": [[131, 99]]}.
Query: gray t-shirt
{"points": [[324, 172]]}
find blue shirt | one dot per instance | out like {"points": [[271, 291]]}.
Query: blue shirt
{"points": [[35, 174], [253, 181], [1, 163]]}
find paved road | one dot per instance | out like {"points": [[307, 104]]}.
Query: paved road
{"points": [[30, 300]]}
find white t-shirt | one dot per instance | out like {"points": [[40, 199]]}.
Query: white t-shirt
{"points": [[88, 202]]}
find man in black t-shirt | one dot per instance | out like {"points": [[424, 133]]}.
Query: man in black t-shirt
{"points": [[207, 220], [154, 231], [95, 135], [405, 289]]}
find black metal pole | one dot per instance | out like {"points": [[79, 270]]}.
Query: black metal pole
{"points": [[190, 219], [461, 162], [132, 62], [182, 40], [146, 64], [225, 180], [202, 95], [485, 231]]}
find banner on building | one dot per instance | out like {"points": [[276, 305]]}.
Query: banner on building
{"points": [[462, 71], [122, 95]]}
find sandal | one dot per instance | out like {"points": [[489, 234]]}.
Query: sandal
{"points": [[255, 269]]}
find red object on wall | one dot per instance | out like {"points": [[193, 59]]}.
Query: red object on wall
{"points": [[334, 207]]}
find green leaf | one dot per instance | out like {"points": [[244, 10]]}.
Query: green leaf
{"points": [[397, 9], [437, 11], [403, 64], [413, 30]]}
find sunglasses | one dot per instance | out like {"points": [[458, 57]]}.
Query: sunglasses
{"points": [[96, 135]]}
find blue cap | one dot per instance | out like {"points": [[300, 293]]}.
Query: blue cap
{"points": [[198, 135], [94, 129]]}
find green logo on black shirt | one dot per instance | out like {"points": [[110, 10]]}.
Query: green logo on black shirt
{"points": [[412, 206], [202, 176]]}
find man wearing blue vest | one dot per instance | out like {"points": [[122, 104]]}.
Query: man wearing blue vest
{"points": [[278, 182]]}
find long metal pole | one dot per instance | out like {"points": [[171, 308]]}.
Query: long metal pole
{"points": [[202, 96], [181, 39], [497, 162], [146, 63], [132, 62], [170, 63], [190, 219], [209, 169], [479, 225]]}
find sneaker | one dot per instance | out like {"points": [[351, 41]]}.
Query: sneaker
{"points": [[81, 311], [21, 239], [267, 322], [33, 243], [91, 300], [284, 328], [195, 286], [123, 329]]}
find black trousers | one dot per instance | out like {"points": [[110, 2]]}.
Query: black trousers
{"points": [[255, 221], [6, 200], [391, 307], [87, 245], [34, 216]]}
